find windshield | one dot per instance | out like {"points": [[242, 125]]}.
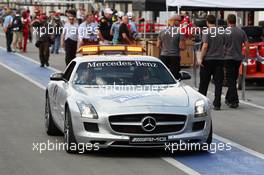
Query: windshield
{"points": [[122, 73]]}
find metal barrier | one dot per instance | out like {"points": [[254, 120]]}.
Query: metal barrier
{"points": [[195, 48], [244, 72]]}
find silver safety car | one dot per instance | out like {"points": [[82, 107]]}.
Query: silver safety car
{"points": [[125, 101]]}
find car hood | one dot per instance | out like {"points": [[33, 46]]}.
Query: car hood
{"points": [[115, 98]]}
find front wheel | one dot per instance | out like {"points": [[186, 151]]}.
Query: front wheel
{"points": [[51, 128], [71, 145], [210, 136]]}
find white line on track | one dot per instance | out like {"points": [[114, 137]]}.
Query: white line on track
{"points": [[243, 148], [180, 166], [23, 76], [31, 60]]}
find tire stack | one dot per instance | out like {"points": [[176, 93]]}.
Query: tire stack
{"points": [[254, 33], [261, 23]]}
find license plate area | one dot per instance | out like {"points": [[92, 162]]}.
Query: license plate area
{"points": [[148, 140]]}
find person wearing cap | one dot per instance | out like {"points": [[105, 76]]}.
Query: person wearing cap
{"points": [[69, 39], [115, 27], [171, 41], [88, 32], [105, 25], [43, 40], [7, 26], [132, 25], [58, 27], [17, 27]]}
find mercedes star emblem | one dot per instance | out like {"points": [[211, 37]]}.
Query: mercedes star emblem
{"points": [[148, 123]]}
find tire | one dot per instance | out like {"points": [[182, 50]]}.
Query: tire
{"points": [[261, 23], [260, 82], [254, 31], [210, 136], [69, 137], [51, 128]]}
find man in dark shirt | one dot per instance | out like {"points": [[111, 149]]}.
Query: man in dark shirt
{"points": [[170, 41], [124, 34], [211, 60], [105, 25], [235, 38]]}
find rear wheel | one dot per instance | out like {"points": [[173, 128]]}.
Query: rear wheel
{"points": [[69, 138], [50, 126]]}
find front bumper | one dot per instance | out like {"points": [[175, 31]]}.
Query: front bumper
{"points": [[110, 140], [106, 137]]}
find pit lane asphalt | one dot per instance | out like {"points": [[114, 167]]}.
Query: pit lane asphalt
{"points": [[244, 126]]}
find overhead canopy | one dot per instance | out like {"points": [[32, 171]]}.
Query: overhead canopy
{"points": [[218, 4]]}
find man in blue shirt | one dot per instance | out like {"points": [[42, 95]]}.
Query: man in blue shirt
{"points": [[115, 27], [7, 26], [133, 26]]}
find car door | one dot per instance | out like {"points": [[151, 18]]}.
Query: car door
{"points": [[62, 91]]}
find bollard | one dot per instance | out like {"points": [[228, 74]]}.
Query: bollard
{"points": [[244, 72], [194, 68]]}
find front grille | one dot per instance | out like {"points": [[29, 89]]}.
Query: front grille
{"points": [[131, 124]]}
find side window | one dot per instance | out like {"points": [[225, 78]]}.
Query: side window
{"points": [[68, 71]]}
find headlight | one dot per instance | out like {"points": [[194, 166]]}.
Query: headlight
{"points": [[200, 110], [87, 110]]}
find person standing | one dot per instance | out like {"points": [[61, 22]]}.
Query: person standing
{"points": [[170, 41], [88, 32], [80, 15], [69, 39], [26, 28], [43, 41], [17, 27], [132, 25], [105, 25], [235, 38], [58, 27], [115, 28], [7, 26], [124, 34], [211, 60]]}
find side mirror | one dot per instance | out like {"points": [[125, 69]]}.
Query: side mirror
{"points": [[185, 75], [57, 77]]}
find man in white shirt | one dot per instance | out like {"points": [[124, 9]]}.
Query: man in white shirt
{"points": [[69, 39]]}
